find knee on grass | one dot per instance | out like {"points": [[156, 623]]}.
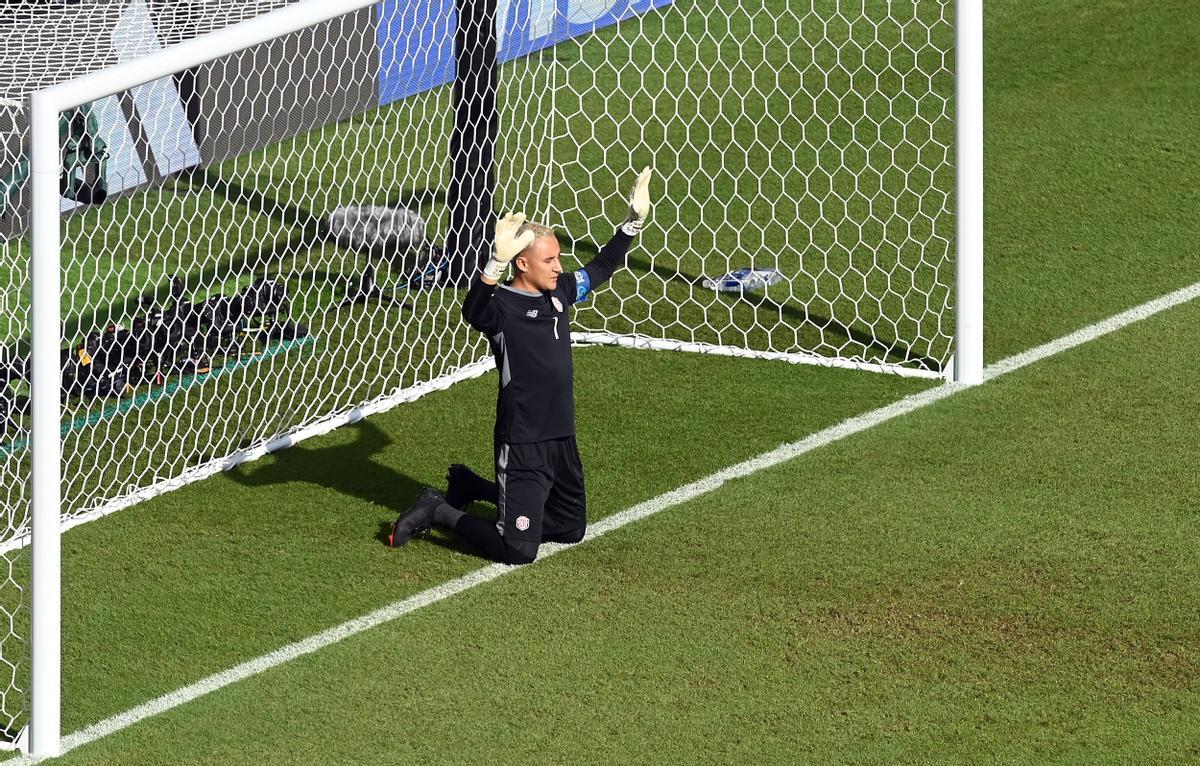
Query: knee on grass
{"points": [[569, 537], [520, 551]]}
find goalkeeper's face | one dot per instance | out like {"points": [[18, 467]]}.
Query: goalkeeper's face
{"points": [[539, 266]]}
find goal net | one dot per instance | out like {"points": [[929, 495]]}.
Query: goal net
{"points": [[266, 244]]}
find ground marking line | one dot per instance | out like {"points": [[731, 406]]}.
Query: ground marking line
{"points": [[650, 507]]}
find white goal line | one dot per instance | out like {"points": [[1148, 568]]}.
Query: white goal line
{"points": [[656, 344], [781, 454], [213, 467], [403, 395]]}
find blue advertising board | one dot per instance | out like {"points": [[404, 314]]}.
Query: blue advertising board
{"points": [[416, 37]]}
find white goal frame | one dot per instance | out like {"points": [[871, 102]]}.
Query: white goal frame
{"points": [[44, 107]]}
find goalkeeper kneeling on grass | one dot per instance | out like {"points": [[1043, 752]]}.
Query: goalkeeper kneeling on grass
{"points": [[538, 492]]}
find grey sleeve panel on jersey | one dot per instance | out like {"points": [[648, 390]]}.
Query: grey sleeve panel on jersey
{"points": [[505, 372]]}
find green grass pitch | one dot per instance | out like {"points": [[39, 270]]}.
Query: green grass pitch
{"points": [[261, 214], [1008, 576]]}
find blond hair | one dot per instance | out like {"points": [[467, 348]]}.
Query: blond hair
{"points": [[539, 230]]}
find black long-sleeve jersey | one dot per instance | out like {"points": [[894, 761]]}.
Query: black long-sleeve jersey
{"points": [[531, 339]]}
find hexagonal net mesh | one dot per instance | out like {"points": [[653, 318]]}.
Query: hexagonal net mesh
{"points": [[14, 472], [810, 141], [48, 42], [251, 248]]}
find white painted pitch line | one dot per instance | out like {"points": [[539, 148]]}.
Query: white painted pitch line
{"points": [[650, 507], [1093, 331], [213, 467]]}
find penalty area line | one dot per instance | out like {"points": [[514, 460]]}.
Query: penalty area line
{"points": [[781, 454]]}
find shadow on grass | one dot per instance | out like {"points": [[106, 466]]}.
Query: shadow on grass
{"points": [[351, 470], [269, 259], [893, 350], [345, 468]]}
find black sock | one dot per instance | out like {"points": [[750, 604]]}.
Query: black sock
{"points": [[465, 486], [447, 516]]}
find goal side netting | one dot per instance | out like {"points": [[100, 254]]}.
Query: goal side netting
{"points": [[266, 244]]}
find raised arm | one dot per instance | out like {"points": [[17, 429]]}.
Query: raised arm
{"points": [[612, 256], [601, 268], [478, 308]]}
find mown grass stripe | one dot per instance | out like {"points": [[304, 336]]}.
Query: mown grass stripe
{"points": [[650, 507]]}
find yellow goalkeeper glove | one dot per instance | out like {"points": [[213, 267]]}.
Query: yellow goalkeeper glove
{"points": [[508, 246], [639, 203]]}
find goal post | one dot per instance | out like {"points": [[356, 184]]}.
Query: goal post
{"points": [[261, 227], [44, 108], [45, 442], [968, 348], [812, 142]]}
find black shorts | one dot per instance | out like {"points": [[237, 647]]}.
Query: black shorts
{"points": [[540, 491]]}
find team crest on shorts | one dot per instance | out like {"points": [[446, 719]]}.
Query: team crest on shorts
{"points": [[557, 303], [522, 523]]}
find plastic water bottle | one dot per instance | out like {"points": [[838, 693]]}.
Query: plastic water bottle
{"points": [[744, 280]]}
